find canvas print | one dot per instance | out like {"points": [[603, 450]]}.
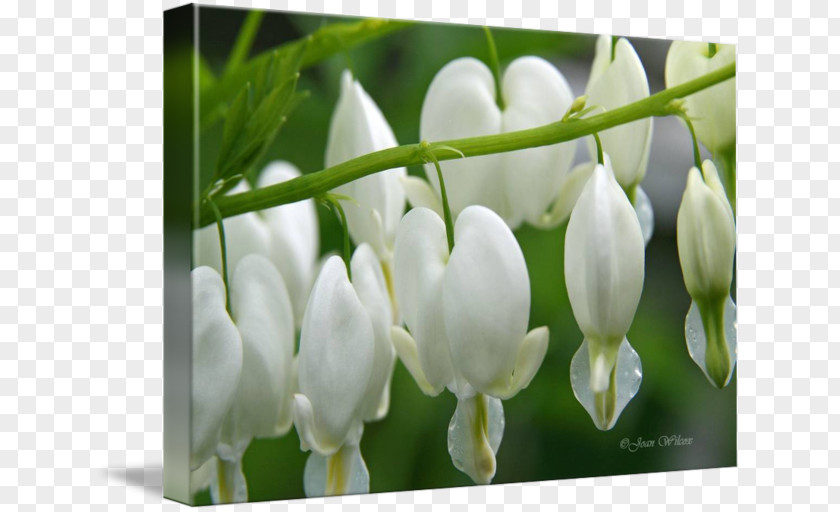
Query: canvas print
{"points": [[406, 255]]}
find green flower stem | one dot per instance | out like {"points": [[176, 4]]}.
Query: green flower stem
{"points": [[729, 177], [447, 213], [697, 160], [223, 246], [600, 149], [313, 184], [718, 362], [495, 67]]}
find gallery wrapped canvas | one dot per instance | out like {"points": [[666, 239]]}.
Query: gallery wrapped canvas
{"points": [[405, 255]]}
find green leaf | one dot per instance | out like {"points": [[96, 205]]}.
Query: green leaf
{"points": [[323, 43], [257, 113]]}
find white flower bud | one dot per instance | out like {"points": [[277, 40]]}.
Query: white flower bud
{"points": [[711, 110], [706, 235], [604, 268]]}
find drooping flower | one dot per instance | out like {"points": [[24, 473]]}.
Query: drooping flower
{"points": [[617, 78], [287, 235], [468, 316], [346, 361], [357, 128], [461, 102], [706, 242], [711, 110], [261, 327], [604, 268]]}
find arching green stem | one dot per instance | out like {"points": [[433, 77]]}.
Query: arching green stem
{"points": [[314, 184], [599, 148], [447, 212], [697, 160]]}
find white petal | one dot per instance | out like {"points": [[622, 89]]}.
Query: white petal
{"points": [[235, 489], [461, 102], [335, 360], [244, 234], [604, 259], [263, 314], [475, 433], [420, 256], [486, 299], [528, 360], [370, 287], [420, 194], [294, 236], [712, 110], [358, 128], [535, 94], [216, 363], [570, 190], [406, 348], [340, 474], [623, 82]]}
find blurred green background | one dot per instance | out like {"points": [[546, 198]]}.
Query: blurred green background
{"points": [[548, 435]]}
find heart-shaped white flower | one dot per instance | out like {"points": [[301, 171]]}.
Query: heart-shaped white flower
{"points": [[346, 363], [712, 110], [287, 235], [468, 316], [357, 128], [616, 79], [461, 102]]}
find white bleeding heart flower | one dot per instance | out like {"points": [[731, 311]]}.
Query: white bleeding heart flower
{"points": [[357, 128], [468, 316], [287, 235], [616, 79], [706, 242], [262, 325], [604, 268], [711, 110], [346, 362], [293, 237], [461, 102]]}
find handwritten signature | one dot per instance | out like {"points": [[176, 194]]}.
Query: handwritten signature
{"points": [[664, 441]]}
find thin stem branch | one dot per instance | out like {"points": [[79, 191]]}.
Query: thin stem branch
{"points": [[223, 245], [495, 67], [447, 213], [599, 148], [695, 145], [316, 183]]}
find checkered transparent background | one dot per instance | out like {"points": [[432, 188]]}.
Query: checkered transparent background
{"points": [[81, 268]]}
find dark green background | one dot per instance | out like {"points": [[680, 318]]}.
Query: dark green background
{"points": [[548, 435]]}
